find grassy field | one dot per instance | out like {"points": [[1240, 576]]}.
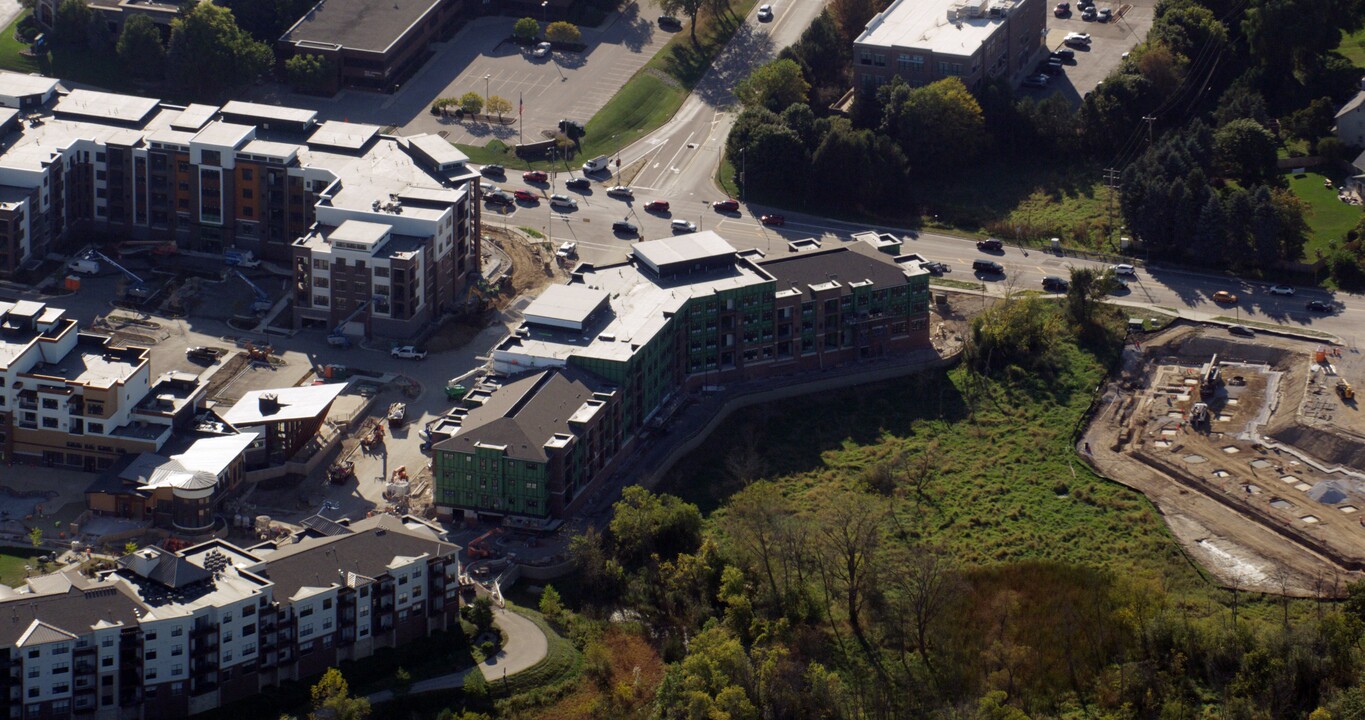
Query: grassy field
{"points": [[1328, 217], [646, 101], [1007, 486], [12, 562], [78, 64]]}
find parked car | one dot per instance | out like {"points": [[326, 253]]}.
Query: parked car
{"points": [[526, 196], [936, 267], [1106, 15], [488, 188], [1319, 306], [1036, 81], [1064, 54], [656, 206], [1055, 284], [1241, 330], [1117, 285], [1051, 66], [535, 176], [542, 49], [988, 267], [1089, 13], [500, 198], [563, 201], [497, 170], [620, 191], [1062, 9], [1281, 290], [567, 249], [681, 226], [669, 21], [765, 13], [1075, 38], [774, 220], [1083, 4], [725, 206], [1224, 297], [578, 184], [624, 228], [408, 352], [1124, 269], [990, 245], [203, 354]]}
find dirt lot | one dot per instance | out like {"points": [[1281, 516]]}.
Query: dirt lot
{"points": [[1267, 492]]}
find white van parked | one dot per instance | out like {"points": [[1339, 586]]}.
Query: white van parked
{"points": [[83, 266], [597, 164]]}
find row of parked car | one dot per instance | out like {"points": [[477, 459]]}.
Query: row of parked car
{"points": [[1088, 11]]}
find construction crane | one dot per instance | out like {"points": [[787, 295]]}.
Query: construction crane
{"points": [[138, 289], [262, 302], [338, 336]]}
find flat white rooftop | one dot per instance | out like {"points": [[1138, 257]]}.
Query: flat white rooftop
{"points": [[272, 150], [359, 232], [17, 85], [436, 148], [344, 135], [259, 111], [682, 249], [222, 134], [949, 27], [194, 117], [566, 306], [106, 106]]}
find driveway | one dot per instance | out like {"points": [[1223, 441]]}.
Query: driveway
{"points": [[1110, 41], [9, 9], [526, 646]]}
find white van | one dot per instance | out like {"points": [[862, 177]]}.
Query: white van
{"points": [[597, 164], [83, 266]]}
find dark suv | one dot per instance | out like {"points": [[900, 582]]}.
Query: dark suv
{"points": [[624, 228], [988, 267], [991, 245]]}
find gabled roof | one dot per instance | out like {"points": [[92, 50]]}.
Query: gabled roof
{"points": [[165, 568], [523, 415], [39, 632], [1352, 105]]}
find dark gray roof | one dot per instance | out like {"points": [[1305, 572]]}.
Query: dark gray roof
{"points": [[367, 551], [170, 570], [359, 24], [848, 264], [525, 413], [76, 611]]}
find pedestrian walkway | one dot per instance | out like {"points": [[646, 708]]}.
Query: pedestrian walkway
{"points": [[526, 646]]}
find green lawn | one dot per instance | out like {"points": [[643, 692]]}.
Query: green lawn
{"points": [[12, 562], [79, 64], [1006, 485], [1328, 218], [10, 59], [645, 102]]}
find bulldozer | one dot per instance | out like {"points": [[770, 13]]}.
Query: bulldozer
{"points": [[1345, 390]]}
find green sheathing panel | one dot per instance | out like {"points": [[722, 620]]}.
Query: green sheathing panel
{"points": [[486, 480], [644, 380]]}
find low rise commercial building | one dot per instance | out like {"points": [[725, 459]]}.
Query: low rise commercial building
{"points": [[597, 361]]}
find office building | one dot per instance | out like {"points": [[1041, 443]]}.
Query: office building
{"points": [[922, 41]]}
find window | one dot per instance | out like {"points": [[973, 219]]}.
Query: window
{"points": [[381, 271], [250, 649], [177, 651], [60, 688], [248, 611], [151, 674], [248, 174], [150, 655], [94, 427], [227, 617], [227, 636], [33, 653], [248, 630], [151, 636], [319, 263], [327, 604], [177, 670], [61, 650], [320, 300], [306, 612], [33, 693], [106, 662], [49, 422], [49, 403], [320, 282], [34, 672], [177, 632]]}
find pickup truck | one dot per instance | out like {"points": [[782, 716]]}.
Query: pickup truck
{"points": [[408, 352]]}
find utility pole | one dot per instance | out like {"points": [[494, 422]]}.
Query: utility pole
{"points": [[1111, 181], [743, 175], [1150, 120]]}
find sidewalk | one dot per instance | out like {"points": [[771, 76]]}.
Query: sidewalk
{"points": [[526, 646]]}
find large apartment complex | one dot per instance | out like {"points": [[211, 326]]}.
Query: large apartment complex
{"points": [[71, 399], [246, 176], [923, 41], [598, 359], [167, 634]]}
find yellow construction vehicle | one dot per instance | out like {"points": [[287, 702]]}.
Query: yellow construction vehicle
{"points": [[1345, 390]]}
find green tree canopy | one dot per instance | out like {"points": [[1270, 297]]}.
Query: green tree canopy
{"points": [[498, 105], [526, 29], [140, 49], [938, 126], [1244, 150], [310, 73], [563, 32], [646, 524], [471, 102], [70, 24], [210, 55], [776, 86], [332, 699], [690, 8]]}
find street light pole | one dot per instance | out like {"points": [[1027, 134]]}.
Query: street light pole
{"points": [[486, 78]]}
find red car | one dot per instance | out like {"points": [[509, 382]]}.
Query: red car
{"points": [[526, 196], [656, 206], [776, 220], [725, 206], [534, 176]]}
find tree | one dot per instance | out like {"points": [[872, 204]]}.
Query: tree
{"points": [[71, 22], [310, 73], [690, 8], [939, 126], [754, 521], [480, 612], [852, 17], [776, 86], [129, 547], [140, 49], [498, 105], [551, 606], [526, 29], [820, 51], [644, 524], [471, 102], [35, 536], [475, 684], [402, 681], [1245, 150], [332, 699], [209, 54], [1086, 290], [1311, 122], [563, 32]]}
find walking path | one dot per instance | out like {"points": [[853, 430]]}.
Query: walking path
{"points": [[526, 646]]}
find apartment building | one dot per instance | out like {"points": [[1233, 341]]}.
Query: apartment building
{"points": [[243, 175], [167, 634], [680, 314], [71, 399], [922, 41]]}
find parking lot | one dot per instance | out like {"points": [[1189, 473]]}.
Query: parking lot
{"points": [[1110, 40]]}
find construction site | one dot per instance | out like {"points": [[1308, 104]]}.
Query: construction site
{"points": [[1253, 450]]}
